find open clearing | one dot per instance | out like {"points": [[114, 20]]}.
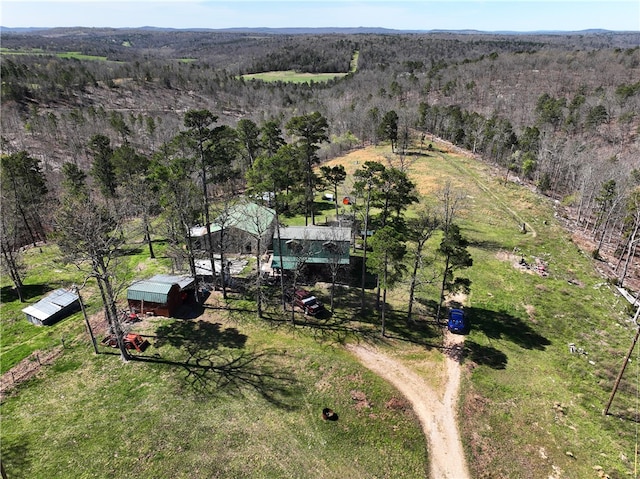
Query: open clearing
{"points": [[293, 76]]}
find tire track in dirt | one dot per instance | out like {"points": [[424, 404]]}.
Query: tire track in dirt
{"points": [[490, 193], [436, 410]]}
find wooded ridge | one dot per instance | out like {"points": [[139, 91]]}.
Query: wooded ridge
{"points": [[556, 110]]}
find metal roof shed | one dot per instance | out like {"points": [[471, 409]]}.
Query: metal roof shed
{"points": [[185, 282], [160, 299], [56, 305], [150, 291]]}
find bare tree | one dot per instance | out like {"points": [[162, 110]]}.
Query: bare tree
{"points": [[91, 238], [336, 248], [451, 203], [298, 251], [10, 261], [631, 231], [261, 221]]}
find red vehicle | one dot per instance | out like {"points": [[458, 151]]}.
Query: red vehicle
{"points": [[307, 302]]}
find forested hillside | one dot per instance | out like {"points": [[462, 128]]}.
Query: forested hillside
{"points": [[557, 111]]}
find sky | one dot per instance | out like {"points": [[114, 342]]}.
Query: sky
{"points": [[485, 15]]}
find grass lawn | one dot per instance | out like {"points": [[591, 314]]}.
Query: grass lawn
{"points": [[227, 395], [248, 403]]}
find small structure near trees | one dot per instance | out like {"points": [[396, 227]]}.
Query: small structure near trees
{"points": [[52, 308], [161, 295]]}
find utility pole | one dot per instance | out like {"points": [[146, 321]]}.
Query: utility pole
{"points": [[624, 365]]}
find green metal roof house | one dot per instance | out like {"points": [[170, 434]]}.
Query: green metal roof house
{"points": [[320, 245], [244, 224]]}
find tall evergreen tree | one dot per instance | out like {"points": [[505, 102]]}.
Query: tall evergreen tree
{"points": [[388, 251], [367, 181], [102, 168], [311, 130], [334, 176], [419, 229], [388, 128], [453, 248], [249, 138], [201, 134], [24, 191]]}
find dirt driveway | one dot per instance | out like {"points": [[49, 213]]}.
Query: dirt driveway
{"points": [[436, 410]]}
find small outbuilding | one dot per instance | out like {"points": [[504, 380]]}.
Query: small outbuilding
{"points": [[52, 308], [161, 295]]}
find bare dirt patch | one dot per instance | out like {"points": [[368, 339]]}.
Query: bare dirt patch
{"points": [[26, 369], [532, 265], [31, 365]]}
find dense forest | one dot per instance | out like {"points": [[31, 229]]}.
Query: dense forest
{"points": [[558, 112]]}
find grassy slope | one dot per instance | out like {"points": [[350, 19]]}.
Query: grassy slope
{"points": [[526, 401], [529, 408], [95, 417]]}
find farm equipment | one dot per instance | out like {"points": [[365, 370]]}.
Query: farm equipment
{"points": [[131, 341]]}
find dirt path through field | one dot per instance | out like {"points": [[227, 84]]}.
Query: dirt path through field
{"points": [[436, 410]]}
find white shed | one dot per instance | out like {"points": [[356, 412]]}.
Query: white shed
{"points": [[56, 305]]}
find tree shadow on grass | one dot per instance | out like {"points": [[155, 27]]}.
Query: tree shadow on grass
{"points": [[198, 335], [15, 457], [417, 331], [8, 293], [501, 325], [209, 373], [484, 355], [129, 251], [217, 362], [487, 245]]}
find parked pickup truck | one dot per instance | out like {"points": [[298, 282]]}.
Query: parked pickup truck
{"points": [[306, 301]]}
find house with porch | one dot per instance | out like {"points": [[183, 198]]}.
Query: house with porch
{"points": [[296, 246]]}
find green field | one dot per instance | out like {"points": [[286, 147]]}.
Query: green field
{"points": [[71, 55], [293, 77], [228, 395]]}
